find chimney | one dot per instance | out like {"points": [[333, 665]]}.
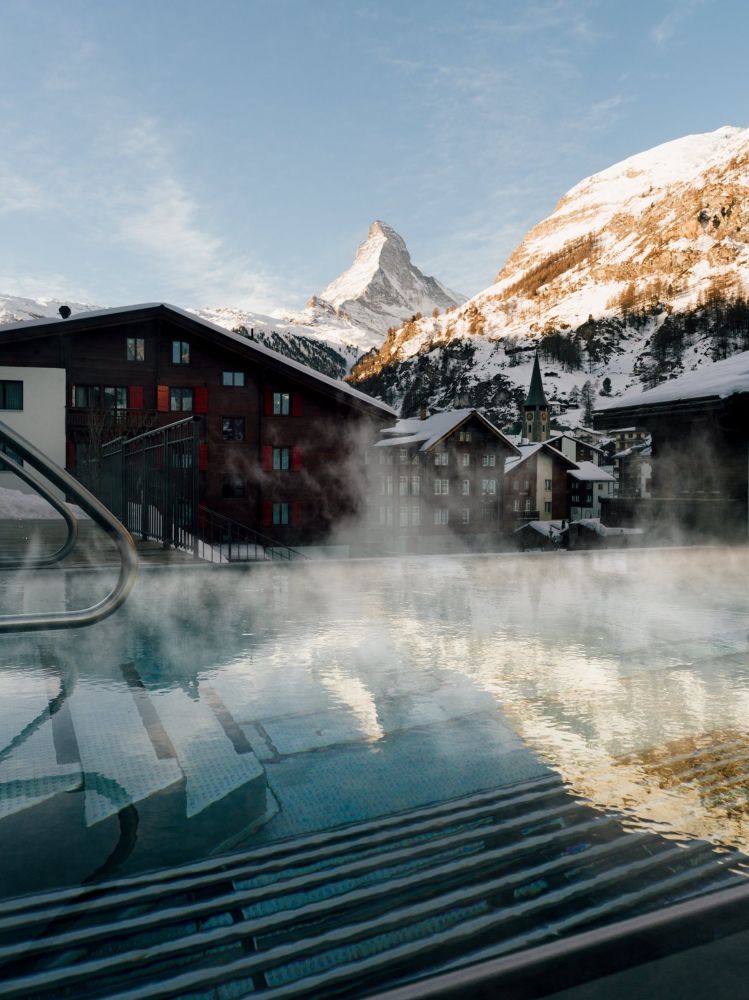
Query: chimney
{"points": [[423, 414], [64, 311]]}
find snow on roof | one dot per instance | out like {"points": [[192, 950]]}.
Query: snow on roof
{"points": [[251, 345], [594, 524], [14, 504], [550, 529], [716, 380], [571, 437], [428, 432], [527, 450], [590, 472]]}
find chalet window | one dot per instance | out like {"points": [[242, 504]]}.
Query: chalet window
{"points": [[13, 455], [281, 513], [465, 516], [440, 458], [489, 486], [389, 485], [403, 456], [281, 457], [232, 486], [235, 379], [389, 516], [403, 486], [466, 487], [488, 460], [233, 428], [441, 515], [87, 396], [115, 397], [180, 400], [180, 352], [528, 504], [464, 435], [466, 458], [415, 485], [526, 484], [547, 506], [403, 517], [415, 515], [11, 395], [136, 349], [441, 487], [516, 504], [281, 405], [547, 484]]}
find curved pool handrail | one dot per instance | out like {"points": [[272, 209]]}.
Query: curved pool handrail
{"points": [[100, 515], [32, 562]]}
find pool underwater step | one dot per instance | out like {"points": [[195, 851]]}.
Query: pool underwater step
{"points": [[356, 907]]}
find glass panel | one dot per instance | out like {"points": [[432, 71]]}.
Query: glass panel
{"points": [[11, 397]]}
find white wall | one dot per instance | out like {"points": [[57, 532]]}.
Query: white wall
{"points": [[42, 419]]}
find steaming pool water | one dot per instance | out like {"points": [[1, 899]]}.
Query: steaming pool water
{"points": [[223, 707]]}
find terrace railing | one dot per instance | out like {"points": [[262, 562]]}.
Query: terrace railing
{"points": [[223, 540]]}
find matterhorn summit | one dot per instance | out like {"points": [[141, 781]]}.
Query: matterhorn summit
{"points": [[382, 288]]}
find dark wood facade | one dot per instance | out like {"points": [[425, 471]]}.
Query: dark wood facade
{"points": [[280, 443], [536, 487]]}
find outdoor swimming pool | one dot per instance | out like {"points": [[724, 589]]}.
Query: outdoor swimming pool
{"points": [[223, 707]]}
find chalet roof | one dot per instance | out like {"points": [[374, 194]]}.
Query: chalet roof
{"points": [[590, 472], [528, 450], [549, 529], [571, 437], [429, 432], [711, 382], [594, 524], [536, 395], [31, 329]]}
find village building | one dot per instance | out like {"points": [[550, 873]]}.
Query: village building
{"points": [[32, 403], [589, 484], [699, 430], [280, 444], [435, 483], [536, 487], [577, 450], [536, 409]]}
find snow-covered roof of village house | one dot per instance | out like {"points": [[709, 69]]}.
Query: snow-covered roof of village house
{"points": [[594, 524], [591, 472], [252, 346], [527, 450], [571, 437], [431, 430], [716, 380], [550, 529]]}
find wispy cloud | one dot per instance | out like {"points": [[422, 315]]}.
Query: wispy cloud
{"points": [[666, 30]]}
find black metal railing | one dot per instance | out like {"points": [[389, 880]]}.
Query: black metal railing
{"points": [[222, 540]]}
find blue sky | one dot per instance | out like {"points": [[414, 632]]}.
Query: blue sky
{"points": [[234, 152]]}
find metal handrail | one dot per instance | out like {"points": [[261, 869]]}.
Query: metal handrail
{"points": [[243, 535], [98, 513], [32, 562]]}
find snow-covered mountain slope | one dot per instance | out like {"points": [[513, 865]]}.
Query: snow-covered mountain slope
{"points": [[380, 290], [640, 273], [15, 309]]}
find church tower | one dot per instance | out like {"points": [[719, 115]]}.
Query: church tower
{"points": [[536, 409]]}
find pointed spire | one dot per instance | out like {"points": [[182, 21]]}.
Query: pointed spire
{"points": [[536, 395]]}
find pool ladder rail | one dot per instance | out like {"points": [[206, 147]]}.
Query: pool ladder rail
{"points": [[98, 513], [520, 886]]}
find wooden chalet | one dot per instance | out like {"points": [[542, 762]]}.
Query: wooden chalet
{"points": [[280, 443], [536, 487]]}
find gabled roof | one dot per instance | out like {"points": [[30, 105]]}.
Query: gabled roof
{"points": [[549, 529], [536, 395], [528, 450], [429, 432], [33, 329], [571, 437], [590, 472]]}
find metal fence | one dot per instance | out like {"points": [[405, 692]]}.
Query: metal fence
{"points": [[150, 482]]}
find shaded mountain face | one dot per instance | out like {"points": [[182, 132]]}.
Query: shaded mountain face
{"points": [[640, 273], [382, 288]]}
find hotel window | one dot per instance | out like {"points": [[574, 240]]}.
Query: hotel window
{"points": [[281, 458], [441, 487], [489, 486], [547, 506], [466, 487], [466, 459], [280, 513], [389, 516], [136, 349], [488, 460], [180, 352], [403, 486], [528, 504], [87, 396], [516, 504], [180, 400], [404, 456], [415, 515], [547, 484], [281, 404], [233, 428], [232, 486], [415, 486], [465, 515], [440, 458], [389, 485], [115, 397], [403, 517], [464, 435], [235, 379], [441, 515], [11, 395]]}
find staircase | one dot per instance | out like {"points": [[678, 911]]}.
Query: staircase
{"points": [[220, 539], [355, 909]]}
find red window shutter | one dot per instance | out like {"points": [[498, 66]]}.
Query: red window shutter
{"points": [[200, 402], [162, 398], [135, 399], [296, 404], [296, 458], [268, 407], [71, 455], [296, 512], [267, 513], [202, 457], [267, 457]]}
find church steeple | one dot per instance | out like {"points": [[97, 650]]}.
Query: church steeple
{"points": [[536, 409]]}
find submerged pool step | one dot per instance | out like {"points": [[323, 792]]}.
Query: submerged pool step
{"points": [[376, 902]]}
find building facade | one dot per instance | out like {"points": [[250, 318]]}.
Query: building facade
{"points": [[32, 402], [536, 484]]}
